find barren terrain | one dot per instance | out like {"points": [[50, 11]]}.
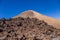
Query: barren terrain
{"points": [[27, 29], [33, 14]]}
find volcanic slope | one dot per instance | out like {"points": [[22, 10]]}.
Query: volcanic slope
{"points": [[27, 29], [33, 14]]}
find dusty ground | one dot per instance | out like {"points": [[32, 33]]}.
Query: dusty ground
{"points": [[27, 29]]}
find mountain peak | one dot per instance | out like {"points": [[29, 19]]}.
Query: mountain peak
{"points": [[34, 14], [28, 13]]}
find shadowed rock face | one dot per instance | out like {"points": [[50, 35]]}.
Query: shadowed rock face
{"points": [[27, 29]]}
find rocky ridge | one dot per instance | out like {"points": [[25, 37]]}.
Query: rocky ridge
{"points": [[34, 14], [27, 29]]}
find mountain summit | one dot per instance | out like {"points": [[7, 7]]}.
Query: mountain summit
{"points": [[34, 14], [29, 13]]}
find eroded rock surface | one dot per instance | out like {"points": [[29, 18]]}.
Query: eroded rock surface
{"points": [[27, 29]]}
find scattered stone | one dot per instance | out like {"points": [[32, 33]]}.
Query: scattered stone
{"points": [[27, 29]]}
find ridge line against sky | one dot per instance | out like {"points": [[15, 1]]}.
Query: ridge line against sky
{"points": [[10, 8]]}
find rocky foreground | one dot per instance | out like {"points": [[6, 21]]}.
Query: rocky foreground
{"points": [[27, 29]]}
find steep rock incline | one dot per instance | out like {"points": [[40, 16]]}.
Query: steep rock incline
{"points": [[33, 14], [27, 29]]}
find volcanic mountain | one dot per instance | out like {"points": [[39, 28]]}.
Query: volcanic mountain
{"points": [[29, 25], [34, 14]]}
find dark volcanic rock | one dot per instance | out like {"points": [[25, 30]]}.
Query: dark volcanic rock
{"points": [[27, 29]]}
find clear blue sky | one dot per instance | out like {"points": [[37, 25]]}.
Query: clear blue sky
{"points": [[9, 8]]}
